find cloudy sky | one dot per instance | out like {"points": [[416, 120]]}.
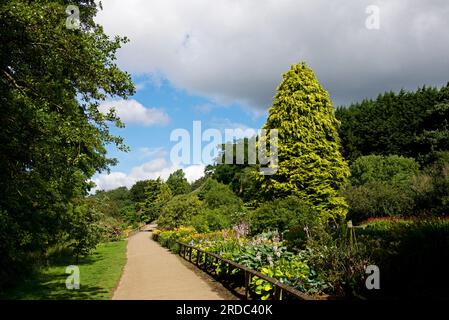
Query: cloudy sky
{"points": [[220, 61]]}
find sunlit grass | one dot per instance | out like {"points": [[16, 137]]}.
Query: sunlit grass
{"points": [[99, 274]]}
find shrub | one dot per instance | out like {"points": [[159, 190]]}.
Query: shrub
{"points": [[339, 262], [216, 194], [179, 211], [206, 186], [169, 238], [84, 230], [282, 214], [378, 199], [432, 186], [412, 256], [393, 169], [177, 183], [211, 220], [112, 229]]}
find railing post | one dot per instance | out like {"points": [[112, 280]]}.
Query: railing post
{"points": [[247, 281], [277, 293], [190, 254], [197, 258]]}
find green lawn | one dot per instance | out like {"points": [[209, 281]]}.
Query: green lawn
{"points": [[99, 274]]}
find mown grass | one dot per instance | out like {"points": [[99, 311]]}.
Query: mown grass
{"points": [[99, 274]]}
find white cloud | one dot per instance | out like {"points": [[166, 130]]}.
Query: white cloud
{"points": [[131, 111], [194, 172], [157, 168], [112, 181], [236, 50]]}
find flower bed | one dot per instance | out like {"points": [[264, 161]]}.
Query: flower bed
{"points": [[265, 253]]}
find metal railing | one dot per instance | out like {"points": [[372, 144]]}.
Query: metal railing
{"points": [[280, 290]]}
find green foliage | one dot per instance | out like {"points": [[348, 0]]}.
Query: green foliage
{"points": [[378, 199], [157, 194], [177, 183], [310, 164], [137, 191], [381, 186], [221, 207], [211, 220], [264, 253], [168, 238], [110, 203], [394, 169], [53, 138], [410, 124], [217, 194], [179, 211], [412, 256], [292, 272], [213, 206], [209, 184], [117, 209], [240, 175], [195, 185], [283, 214], [431, 186], [85, 230]]}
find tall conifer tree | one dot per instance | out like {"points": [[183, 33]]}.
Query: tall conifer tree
{"points": [[310, 162]]}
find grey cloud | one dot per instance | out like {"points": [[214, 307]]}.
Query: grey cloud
{"points": [[236, 51]]}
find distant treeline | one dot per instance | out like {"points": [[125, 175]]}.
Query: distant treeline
{"points": [[410, 124]]}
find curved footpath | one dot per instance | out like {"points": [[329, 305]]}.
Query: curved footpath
{"points": [[153, 273]]}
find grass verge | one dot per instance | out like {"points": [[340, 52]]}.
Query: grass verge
{"points": [[99, 274]]}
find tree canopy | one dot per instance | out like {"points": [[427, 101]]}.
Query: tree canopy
{"points": [[410, 124], [53, 137], [177, 183]]}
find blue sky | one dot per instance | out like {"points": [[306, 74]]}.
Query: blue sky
{"points": [[220, 62], [182, 109], [149, 143]]}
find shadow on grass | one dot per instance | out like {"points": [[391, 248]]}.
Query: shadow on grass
{"points": [[49, 283]]}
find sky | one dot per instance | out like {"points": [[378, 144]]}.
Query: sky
{"points": [[219, 62]]}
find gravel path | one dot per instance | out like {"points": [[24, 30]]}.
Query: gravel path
{"points": [[153, 273]]}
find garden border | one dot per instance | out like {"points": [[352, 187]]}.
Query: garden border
{"points": [[279, 288]]}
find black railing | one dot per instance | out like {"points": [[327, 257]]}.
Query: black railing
{"points": [[280, 290]]}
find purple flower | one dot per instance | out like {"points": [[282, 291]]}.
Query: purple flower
{"points": [[241, 229]]}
